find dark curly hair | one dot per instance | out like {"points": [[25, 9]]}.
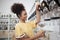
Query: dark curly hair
{"points": [[17, 8]]}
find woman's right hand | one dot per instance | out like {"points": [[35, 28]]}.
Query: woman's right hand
{"points": [[25, 38]]}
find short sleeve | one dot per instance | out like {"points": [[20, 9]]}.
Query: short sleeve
{"points": [[33, 23], [18, 32]]}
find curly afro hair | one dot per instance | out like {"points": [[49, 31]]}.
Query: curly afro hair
{"points": [[17, 8]]}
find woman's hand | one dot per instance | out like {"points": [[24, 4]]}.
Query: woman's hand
{"points": [[37, 6], [27, 39], [42, 33]]}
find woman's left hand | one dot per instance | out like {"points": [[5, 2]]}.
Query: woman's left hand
{"points": [[37, 6]]}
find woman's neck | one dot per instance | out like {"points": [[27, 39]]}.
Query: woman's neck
{"points": [[23, 21]]}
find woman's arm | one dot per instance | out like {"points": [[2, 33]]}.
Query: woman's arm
{"points": [[37, 13], [39, 34]]}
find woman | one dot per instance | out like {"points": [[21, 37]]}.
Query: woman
{"points": [[24, 30]]}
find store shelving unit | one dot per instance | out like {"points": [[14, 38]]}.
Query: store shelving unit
{"points": [[7, 25], [52, 26]]}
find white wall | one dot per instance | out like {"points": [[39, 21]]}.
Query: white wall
{"points": [[5, 5]]}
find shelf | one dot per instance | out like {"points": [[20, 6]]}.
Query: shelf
{"points": [[3, 18]]}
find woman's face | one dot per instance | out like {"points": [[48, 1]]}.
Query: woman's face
{"points": [[23, 15]]}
